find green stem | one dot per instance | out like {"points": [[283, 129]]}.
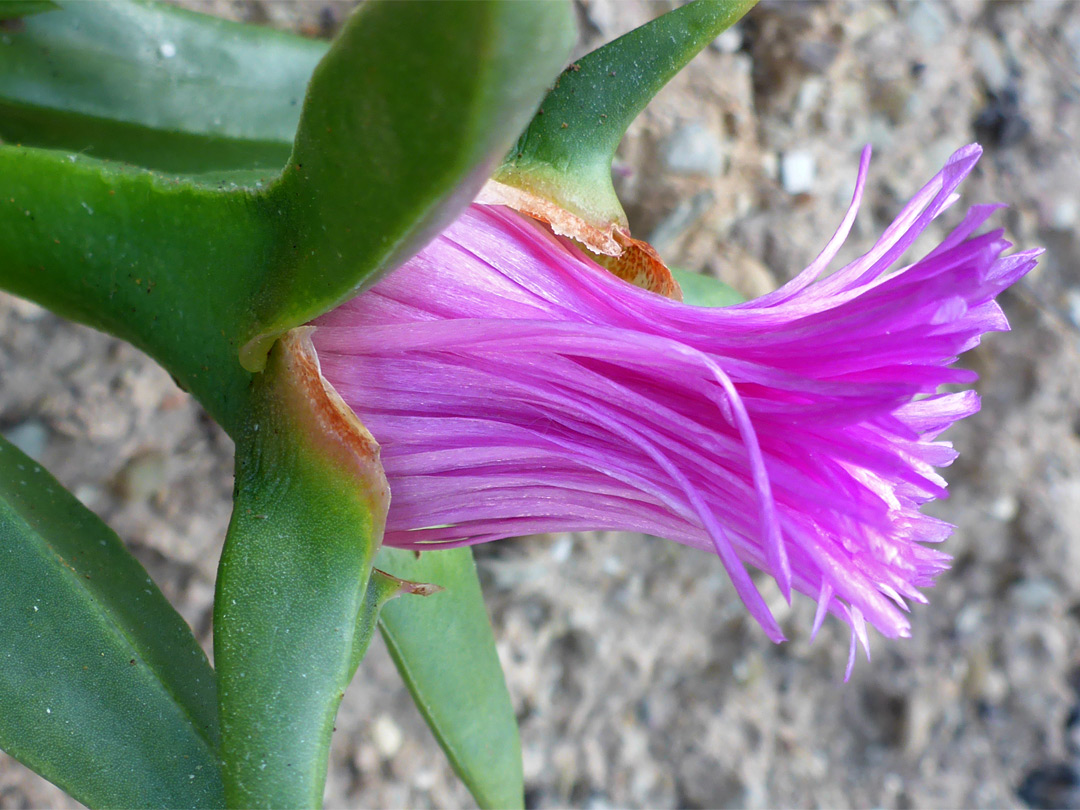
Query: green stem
{"points": [[289, 613]]}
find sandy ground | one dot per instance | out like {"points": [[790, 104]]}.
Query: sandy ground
{"points": [[638, 678]]}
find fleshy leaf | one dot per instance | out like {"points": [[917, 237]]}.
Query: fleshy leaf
{"points": [[445, 650], [405, 118], [309, 509], [13, 9], [701, 290], [154, 86], [565, 154], [101, 244], [104, 690]]}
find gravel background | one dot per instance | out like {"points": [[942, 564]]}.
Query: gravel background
{"points": [[637, 676]]}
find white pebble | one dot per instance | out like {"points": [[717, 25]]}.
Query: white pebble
{"points": [[1004, 509], [798, 171], [560, 552], [387, 736]]}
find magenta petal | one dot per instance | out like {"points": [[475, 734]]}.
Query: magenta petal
{"points": [[516, 387]]}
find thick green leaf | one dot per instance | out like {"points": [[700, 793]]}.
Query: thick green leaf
{"points": [[289, 628], [155, 86], [404, 120], [445, 650], [13, 9], [103, 688], [157, 260], [565, 153], [705, 291]]}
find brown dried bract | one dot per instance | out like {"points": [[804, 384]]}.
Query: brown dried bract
{"points": [[341, 433], [642, 266], [598, 239], [610, 245], [407, 587]]}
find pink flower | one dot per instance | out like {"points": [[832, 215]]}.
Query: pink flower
{"points": [[517, 388]]}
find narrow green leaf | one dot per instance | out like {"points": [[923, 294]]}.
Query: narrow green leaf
{"points": [[566, 151], [445, 650], [154, 86], [705, 291], [404, 120], [104, 690], [309, 509]]}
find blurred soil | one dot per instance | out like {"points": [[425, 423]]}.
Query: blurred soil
{"points": [[638, 677]]}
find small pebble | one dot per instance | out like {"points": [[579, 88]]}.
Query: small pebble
{"points": [[684, 216], [969, 619], [693, 149], [26, 310], [927, 21], [612, 566], [1072, 302], [988, 61], [1064, 214], [1072, 731], [142, 477], [816, 55], [1002, 122], [1053, 785], [730, 41], [387, 736], [1005, 508], [603, 14], [996, 686], [798, 170], [1034, 593], [560, 552], [31, 436], [88, 495]]}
